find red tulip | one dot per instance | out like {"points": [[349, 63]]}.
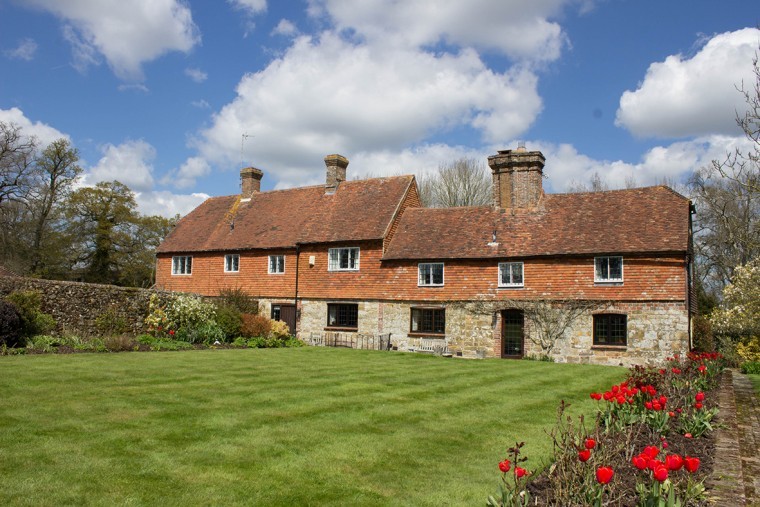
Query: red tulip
{"points": [[691, 464], [654, 464], [640, 461], [672, 414], [663, 400], [673, 462], [676, 371], [596, 396], [504, 466], [698, 406], [604, 475], [661, 473], [171, 332], [648, 405], [656, 405], [590, 443], [584, 455], [687, 435], [520, 472], [700, 396], [651, 451]]}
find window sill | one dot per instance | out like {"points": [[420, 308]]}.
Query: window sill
{"points": [[511, 286], [610, 282], [335, 328], [427, 335], [182, 274], [619, 348]]}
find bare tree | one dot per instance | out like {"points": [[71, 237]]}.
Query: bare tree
{"points": [[463, 182], [16, 156], [595, 184]]}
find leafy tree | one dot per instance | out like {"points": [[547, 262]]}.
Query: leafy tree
{"points": [[463, 182]]}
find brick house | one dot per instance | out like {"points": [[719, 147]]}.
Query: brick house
{"points": [[362, 259]]}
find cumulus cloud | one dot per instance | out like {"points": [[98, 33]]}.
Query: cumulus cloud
{"points": [[328, 94], [126, 34], [129, 162], [168, 204], [187, 174], [250, 6], [196, 75], [285, 27], [25, 50], [694, 96], [520, 29], [200, 104], [44, 133]]}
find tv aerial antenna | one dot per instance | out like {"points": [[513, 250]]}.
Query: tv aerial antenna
{"points": [[243, 137]]}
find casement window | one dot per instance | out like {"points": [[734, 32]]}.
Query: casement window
{"points": [[428, 320], [231, 263], [276, 312], [344, 315], [343, 259], [510, 274], [430, 274], [608, 269], [182, 265], [276, 264], [610, 329]]}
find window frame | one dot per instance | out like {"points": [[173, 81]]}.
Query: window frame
{"points": [[609, 317], [348, 326], [597, 279], [421, 310], [431, 274], [186, 268], [333, 263], [269, 265], [502, 265], [235, 264]]}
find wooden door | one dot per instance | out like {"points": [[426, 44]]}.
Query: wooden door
{"points": [[512, 334], [287, 314]]}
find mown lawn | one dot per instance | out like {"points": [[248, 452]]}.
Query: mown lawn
{"points": [[308, 426], [755, 379]]}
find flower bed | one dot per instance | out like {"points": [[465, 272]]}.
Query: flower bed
{"points": [[649, 445]]}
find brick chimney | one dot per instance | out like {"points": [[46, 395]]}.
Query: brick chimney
{"points": [[517, 178], [336, 172], [250, 181]]}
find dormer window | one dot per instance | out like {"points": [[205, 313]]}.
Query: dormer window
{"points": [[608, 269]]}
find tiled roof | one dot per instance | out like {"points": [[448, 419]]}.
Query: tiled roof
{"points": [[358, 210], [652, 219]]}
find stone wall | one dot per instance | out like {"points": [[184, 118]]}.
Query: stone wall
{"points": [[76, 306]]}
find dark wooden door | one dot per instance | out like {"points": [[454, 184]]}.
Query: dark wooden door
{"points": [[288, 316], [512, 333]]}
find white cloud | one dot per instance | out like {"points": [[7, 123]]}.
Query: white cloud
{"points": [[519, 28], [196, 75], [25, 50], [44, 133], [330, 95], [137, 87], [693, 96], [285, 27], [200, 104], [250, 6], [128, 162], [168, 204], [185, 177], [127, 34]]}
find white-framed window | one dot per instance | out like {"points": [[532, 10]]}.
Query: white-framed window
{"points": [[343, 259], [231, 263], [276, 264], [608, 269], [182, 265], [511, 274], [430, 274]]}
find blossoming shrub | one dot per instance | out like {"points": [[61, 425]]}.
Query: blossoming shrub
{"points": [[739, 312], [183, 314]]}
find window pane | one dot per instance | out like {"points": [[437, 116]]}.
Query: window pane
{"points": [[616, 268], [517, 273], [437, 274], [601, 268]]}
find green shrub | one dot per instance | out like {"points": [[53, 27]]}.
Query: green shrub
{"points": [[256, 325], [44, 343], [256, 343], [703, 335], [240, 341], [293, 342], [119, 343], [110, 322], [10, 325], [748, 349], [229, 319], [279, 329], [208, 332], [29, 306], [751, 368], [238, 299]]}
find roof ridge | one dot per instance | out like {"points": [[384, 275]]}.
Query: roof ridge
{"points": [[615, 190]]}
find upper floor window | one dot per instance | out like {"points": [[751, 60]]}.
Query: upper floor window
{"points": [[610, 329], [231, 263], [343, 259], [430, 274], [608, 269], [276, 264], [343, 315], [182, 265], [510, 274]]}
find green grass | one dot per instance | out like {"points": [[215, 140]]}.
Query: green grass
{"points": [[309, 426], [755, 379]]}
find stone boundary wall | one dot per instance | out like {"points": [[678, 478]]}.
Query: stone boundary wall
{"points": [[75, 306]]}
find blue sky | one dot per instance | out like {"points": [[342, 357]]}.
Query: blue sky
{"points": [[158, 93]]}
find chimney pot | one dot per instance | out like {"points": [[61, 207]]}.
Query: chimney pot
{"points": [[336, 172], [250, 181], [517, 178]]}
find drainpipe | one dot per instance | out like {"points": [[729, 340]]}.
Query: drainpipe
{"points": [[295, 298]]}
